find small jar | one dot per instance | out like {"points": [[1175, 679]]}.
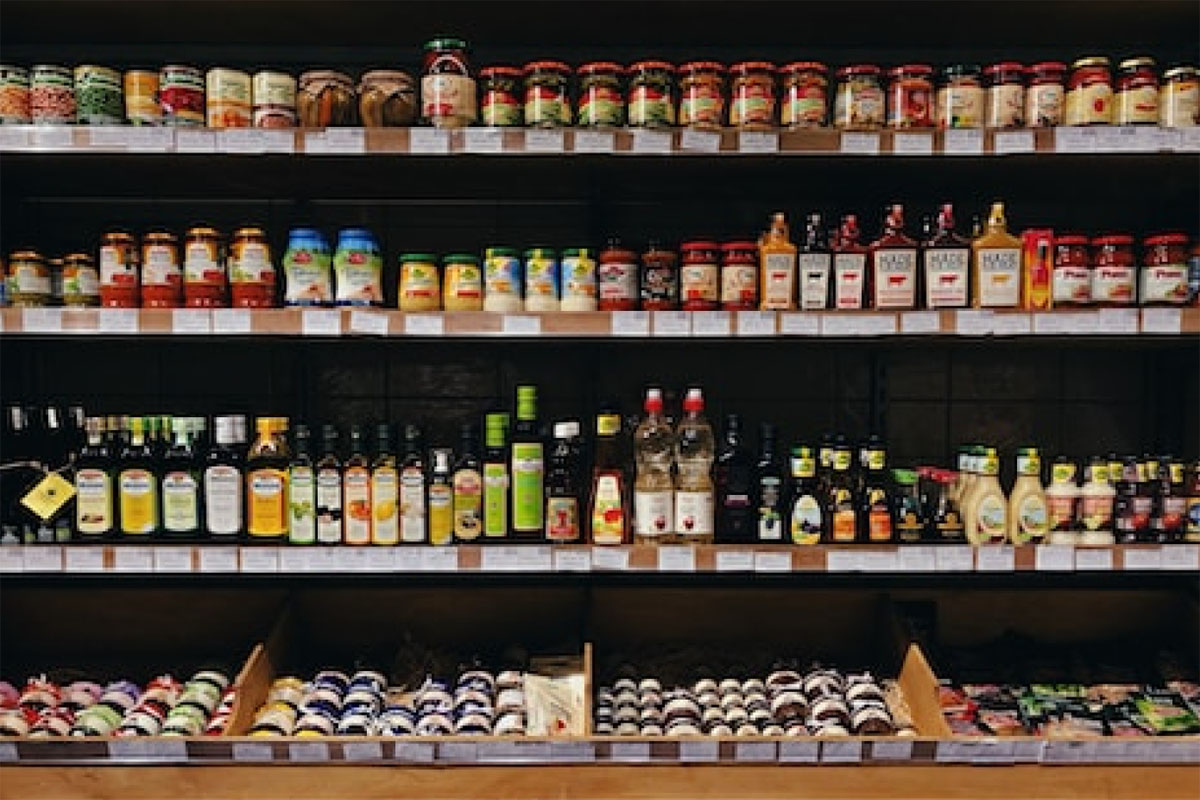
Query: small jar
{"points": [[700, 276], [752, 96], [960, 98], [420, 285], [1137, 92], [274, 97], [98, 96], [204, 279], [357, 268], [805, 95], [251, 272], [462, 288], [910, 96], [601, 100], [1005, 95], [1179, 103], [228, 93], [541, 280], [81, 281], [387, 99], [617, 276], [739, 276], [181, 95], [501, 106], [1044, 99], [1164, 274], [651, 95], [28, 279], [447, 88], [660, 279], [1114, 273], [52, 95], [547, 102], [1090, 92], [14, 95], [141, 97], [502, 280], [1071, 281], [326, 99], [118, 270], [307, 269], [162, 278], [578, 271], [859, 104], [702, 95]]}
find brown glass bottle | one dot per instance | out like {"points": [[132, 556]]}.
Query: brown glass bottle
{"points": [[875, 502], [946, 265], [840, 507], [849, 267], [893, 273]]}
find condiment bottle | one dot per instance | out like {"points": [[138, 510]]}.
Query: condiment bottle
{"points": [[495, 476], [1170, 502], [441, 498], [907, 507], [385, 490], [267, 482], [302, 491], [815, 263], [1037, 273], [739, 276], [608, 506], [562, 486], [875, 501], [578, 279], [528, 467], [659, 279], [1097, 497], [356, 491], [1028, 515], [541, 280], [1191, 526], [501, 280], [734, 477], [943, 513], [468, 488], [694, 495], [1062, 503], [1132, 506], [222, 478], [137, 484], [997, 264], [987, 513], [806, 509], [946, 264], [94, 510], [413, 500], [777, 270], [893, 275], [462, 284], [769, 488], [653, 489], [840, 507], [849, 267], [329, 489]]}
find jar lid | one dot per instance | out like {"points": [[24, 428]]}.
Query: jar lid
{"points": [[355, 233], [858, 69], [1135, 63], [158, 236], [539, 252], [202, 230], [324, 75], [1004, 66], [740, 246], [910, 69], [1071, 239], [121, 235], [303, 232], [69, 257], [593, 67], [446, 43], [460, 258], [399, 76], [546, 66], [702, 66], [500, 71], [1091, 61], [960, 70], [25, 255], [700, 245], [500, 252], [248, 231], [1180, 72], [646, 66], [753, 66], [1165, 238], [802, 66], [577, 252], [1112, 240], [422, 257], [1048, 66]]}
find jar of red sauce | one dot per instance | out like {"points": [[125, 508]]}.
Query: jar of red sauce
{"points": [[617, 278], [204, 281], [1137, 92], [910, 96], [805, 95], [700, 276], [162, 278], [1045, 96], [1005, 95], [1164, 278], [1114, 272], [118, 270], [752, 105], [251, 273], [739, 276], [1090, 92], [1071, 282], [660, 279]]}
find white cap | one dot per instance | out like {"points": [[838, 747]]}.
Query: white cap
{"points": [[566, 430]]}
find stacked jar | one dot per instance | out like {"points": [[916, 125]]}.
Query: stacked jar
{"points": [[1137, 92], [960, 98]]}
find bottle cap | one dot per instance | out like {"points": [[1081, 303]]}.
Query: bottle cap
{"points": [[654, 401], [694, 401], [568, 429]]}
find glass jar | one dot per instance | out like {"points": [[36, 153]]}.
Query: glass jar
{"points": [[805, 95], [141, 97], [739, 276], [617, 278], [447, 88], [204, 279], [118, 270], [578, 271], [14, 95], [501, 105], [601, 101], [1005, 95], [910, 96], [387, 98], [28, 279], [702, 95], [81, 281], [547, 102], [181, 95], [1071, 280], [752, 96], [274, 99], [651, 95], [462, 288], [1113, 270], [660, 279], [326, 99], [1179, 103], [700, 276], [98, 96], [307, 269], [541, 279], [1164, 274], [1044, 97], [502, 280], [162, 278], [859, 104], [419, 283], [229, 98], [1090, 92], [960, 98], [1137, 92], [52, 95], [251, 273]]}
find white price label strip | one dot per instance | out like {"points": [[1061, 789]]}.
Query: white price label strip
{"points": [[371, 323], [191, 321], [1143, 558], [172, 559], [915, 558], [424, 325], [118, 320], [755, 752], [321, 322], [676, 558], [1180, 557], [891, 750], [612, 558], [41, 320], [912, 144], [231, 320], [594, 142], [1089, 558], [84, 559], [362, 751], [919, 323], [735, 561], [43, 558], [860, 144], [955, 558], [696, 751], [217, 559], [848, 752], [800, 324], [629, 752], [252, 751], [336, 141], [1014, 142], [133, 559], [711, 323], [521, 325], [428, 141], [133, 749], [799, 752], [773, 562], [483, 140], [190, 141], [308, 752], [996, 558], [630, 323], [672, 323], [1054, 558], [963, 142], [260, 559], [700, 141], [11, 558], [758, 142], [544, 141], [572, 561], [423, 752], [655, 142]]}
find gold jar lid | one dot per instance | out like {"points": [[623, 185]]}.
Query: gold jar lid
{"points": [[1137, 63], [25, 255], [1091, 61]]}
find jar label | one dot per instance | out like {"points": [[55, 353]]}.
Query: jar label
{"points": [[991, 520], [1180, 104], [701, 105], [1138, 105], [895, 278], [618, 281], [412, 505], [546, 105], [1090, 104], [93, 501], [161, 267], [659, 283], [601, 106], [562, 519], [29, 279], [739, 284], [652, 512], [359, 276], [468, 504], [1044, 105], [80, 282], [448, 96], [500, 109], [947, 275], [804, 105], [911, 103], [960, 107], [116, 267], [419, 285], [441, 522], [1164, 283], [528, 473], [849, 280], [252, 264], [579, 278], [200, 265], [699, 282], [1113, 284], [502, 276], [1072, 285], [495, 500], [778, 277], [541, 278], [223, 500], [329, 506], [1000, 277], [770, 524], [307, 276], [650, 106], [814, 280], [693, 513], [356, 484], [859, 104], [267, 501], [1060, 512], [1006, 106], [464, 283], [1033, 519], [608, 512], [180, 502], [137, 492], [385, 509]]}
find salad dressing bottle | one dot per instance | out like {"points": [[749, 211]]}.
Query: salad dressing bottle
{"points": [[1028, 515], [986, 511], [1062, 503]]}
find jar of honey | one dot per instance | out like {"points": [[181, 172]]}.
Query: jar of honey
{"points": [[118, 270], [251, 273], [162, 278]]}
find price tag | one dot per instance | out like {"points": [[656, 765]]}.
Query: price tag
{"points": [[843, 561], [758, 142], [1054, 558], [41, 320], [912, 144], [572, 752], [195, 141], [1143, 558], [423, 752], [1060, 751], [133, 559], [109, 137], [370, 323], [424, 324], [773, 561], [1011, 324], [84, 559], [676, 558], [973, 322], [458, 752], [996, 558], [844, 752], [231, 320], [711, 323], [1185, 140], [614, 558], [136, 749], [1161, 321], [52, 137], [295, 559], [879, 561], [1074, 140], [860, 144], [1181, 557], [1049, 324], [701, 141], [118, 320], [11, 558], [172, 559], [735, 561], [963, 142], [350, 559], [1149, 139], [241, 141], [594, 142], [1081, 324], [439, 559], [629, 752], [755, 752], [483, 140], [1166, 752], [1014, 142], [630, 323], [756, 323], [336, 141], [517, 559], [1088, 558], [365, 751], [920, 323], [43, 558], [876, 324], [1027, 751], [308, 752], [260, 559], [428, 141], [1118, 139], [891, 750], [1122, 321], [191, 321], [572, 561], [13, 137], [800, 324], [974, 751], [672, 323], [217, 559], [655, 142], [379, 559], [699, 750], [538, 140], [321, 322], [521, 325], [955, 558], [916, 558], [803, 752], [252, 751]]}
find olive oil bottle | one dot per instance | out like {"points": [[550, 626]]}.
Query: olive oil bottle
{"points": [[385, 490], [356, 490], [137, 484], [95, 518], [180, 485], [468, 488], [267, 482], [496, 482], [302, 491]]}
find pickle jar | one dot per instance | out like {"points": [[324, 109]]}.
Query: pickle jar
{"points": [[162, 276], [960, 98], [501, 105], [447, 88], [651, 95], [28, 279], [387, 98], [752, 96], [601, 101], [251, 272], [1179, 103], [1113, 270], [1090, 92], [859, 103], [702, 95], [1044, 99], [910, 96], [1072, 276], [326, 99], [1005, 95], [547, 100], [805, 101], [118, 270], [81, 281], [1164, 273], [1137, 92]]}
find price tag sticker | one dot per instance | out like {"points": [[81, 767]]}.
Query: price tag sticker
{"points": [[308, 752], [917, 558], [336, 141], [217, 559], [1168, 752], [108, 137], [172, 559], [800, 324], [711, 323], [1118, 139], [538, 140], [594, 142], [701, 141], [240, 141], [379, 559], [756, 323], [1094, 558], [1181, 557], [735, 561], [1074, 140], [1119, 321], [41, 320], [973, 322], [1049, 324], [423, 752], [136, 749], [891, 750], [260, 559], [630, 323], [195, 141], [876, 324], [996, 558], [1081, 324], [84, 559], [1059, 751], [1161, 321], [920, 323], [672, 323], [629, 752], [439, 559], [521, 325], [860, 144], [846, 752], [676, 558], [119, 320], [758, 142], [252, 751], [611, 558], [133, 559], [52, 137], [231, 320], [295, 559], [1054, 558], [755, 752], [1009, 143], [12, 559], [371, 323], [14, 137], [364, 751], [43, 558], [321, 322], [572, 561], [699, 750], [191, 321], [773, 561], [1143, 558], [350, 559], [483, 140], [879, 561], [652, 142], [803, 752], [428, 141], [912, 144], [424, 324], [572, 752], [1184, 140], [1012, 324], [843, 561], [955, 558], [517, 559], [457, 752], [963, 142]]}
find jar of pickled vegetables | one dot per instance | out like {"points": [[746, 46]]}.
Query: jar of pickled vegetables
{"points": [[326, 99], [205, 284], [98, 96], [14, 95], [162, 278], [28, 279], [1179, 103], [1137, 92], [1005, 95], [420, 288], [1044, 99], [702, 95], [118, 270], [960, 98], [1113, 270], [81, 281], [805, 95], [910, 96], [601, 101], [251, 271], [447, 88], [1090, 92], [859, 103], [547, 101], [752, 95], [651, 95], [501, 105]]}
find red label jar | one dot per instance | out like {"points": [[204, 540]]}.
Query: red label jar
{"points": [[547, 103], [752, 106], [702, 95], [162, 279], [660, 279], [1179, 101], [739, 276], [447, 88], [617, 278], [910, 96], [1045, 96], [1164, 278], [1071, 281], [118, 270], [1137, 92], [1090, 92], [700, 276], [1005, 95], [1114, 274], [204, 280], [251, 273], [805, 95]]}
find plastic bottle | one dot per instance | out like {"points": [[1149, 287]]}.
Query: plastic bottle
{"points": [[1097, 497], [986, 511], [653, 489], [1028, 513], [1062, 504], [694, 492]]}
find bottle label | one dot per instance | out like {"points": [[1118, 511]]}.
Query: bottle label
{"points": [[1072, 285], [909, 527], [699, 282], [814, 280], [137, 490], [1170, 518], [618, 281], [385, 508], [652, 512], [562, 519], [223, 500], [660, 282], [947, 275], [468, 503], [267, 490], [419, 284], [358, 273], [1192, 523], [879, 517], [306, 273], [302, 502], [1097, 512], [1142, 508], [329, 506], [693, 513], [1033, 519], [895, 278], [93, 501], [991, 520], [849, 280], [180, 502], [495, 500], [806, 525], [412, 505], [441, 524], [579, 279], [541, 278], [357, 497], [528, 474], [161, 267], [1060, 512], [1166, 283], [739, 284], [502, 276], [778, 277], [1000, 277], [608, 512], [770, 526]]}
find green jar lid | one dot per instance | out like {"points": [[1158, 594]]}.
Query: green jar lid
{"points": [[460, 258], [425, 258], [905, 477], [446, 44], [500, 252], [578, 252], [539, 252]]}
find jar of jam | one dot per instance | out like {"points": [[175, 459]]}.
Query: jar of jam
{"points": [[501, 106], [601, 101], [1045, 95], [81, 281], [1005, 95], [1090, 92], [739, 276], [447, 88], [1114, 273], [547, 104], [1179, 102], [910, 96], [805, 95], [752, 101], [326, 99], [700, 276], [702, 95], [651, 95], [617, 278], [118, 270], [251, 273], [960, 98], [204, 280], [1137, 92], [859, 103], [28, 279], [660, 279], [387, 99], [1164, 278], [162, 278], [1071, 280]]}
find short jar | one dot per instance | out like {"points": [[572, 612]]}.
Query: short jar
{"points": [[205, 284], [118, 270], [1090, 92], [326, 99], [1164, 273], [617, 278], [752, 96], [547, 99], [1114, 272], [14, 95], [1045, 97], [739, 276], [501, 105], [702, 95], [700, 276], [162, 277], [274, 99], [859, 104], [181, 95], [1005, 95], [99, 99], [960, 98], [1179, 100], [228, 98], [251, 272], [28, 279], [805, 102], [601, 101], [387, 98], [1137, 92], [651, 95], [1071, 280], [52, 95], [910, 96], [141, 97]]}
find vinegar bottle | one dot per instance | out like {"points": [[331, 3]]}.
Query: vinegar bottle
{"points": [[608, 509]]}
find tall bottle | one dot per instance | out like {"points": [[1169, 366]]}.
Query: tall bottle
{"points": [[1170, 502], [1028, 508], [329, 489], [1062, 503], [528, 467], [997, 259], [1097, 498], [815, 265], [694, 493], [385, 490], [777, 266], [180, 486], [19, 444], [356, 491], [893, 275], [441, 497], [769, 488], [267, 482], [302, 490], [413, 498], [468, 487], [496, 482], [1131, 509], [59, 450], [849, 267], [608, 506], [653, 488], [986, 512], [95, 519], [137, 484], [224, 508], [946, 264], [907, 507], [564, 519], [841, 510], [735, 485], [942, 511], [875, 500], [806, 509], [1191, 524]]}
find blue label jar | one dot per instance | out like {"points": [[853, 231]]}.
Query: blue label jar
{"points": [[307, 269], [358, 267]]}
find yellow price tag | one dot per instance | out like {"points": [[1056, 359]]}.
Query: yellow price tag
{"points": [[49, 495]]}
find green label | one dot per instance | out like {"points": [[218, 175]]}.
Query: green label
{"points": [[495, 500], [527, 475]]}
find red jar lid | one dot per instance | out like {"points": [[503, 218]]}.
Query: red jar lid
{"points": [[702, 66], [1048, 66], [1166, 238], [600, 66], [753, 66], [1113, 240], [643, 66], [858, 69], [547, 66], [739, 246], [700, 245], [1006, 66], [1077, 239], [499, 72], [801, 66], [910, 69]]}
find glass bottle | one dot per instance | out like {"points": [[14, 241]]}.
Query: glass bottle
{"points": [[1028, 511], [1097, 498], [986, 511], [814, 265], [942, 512], [806, 510], [413, 499], [694, 494], [528, 467], [18, 445], [441, 497], [1062, 503], [907, 508], [875, 499], [329, 489], [302, 490], [997, 259], [734, 479], [653, 489], [849, 267], [946, 264], [356, 491], [893, 275], [223, 479], [840, 506], [608, 509], [1129, 521], [94, 516], [659, 278], [1191, 525], [266, 482], [1170, 502], [562, 487], [137, 484], [496, 477], [468, 487], [777, 267], [769, 488], [385, 490], [180, 485]]}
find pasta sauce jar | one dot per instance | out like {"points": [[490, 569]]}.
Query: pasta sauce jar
{"points": [[960, 98], [1179, 101], [739, 276], [1137, 92], [1071, 280], [204, 281], [1090, 92], [859, 104], [251, 273], [1114, 273], [1164, 274], [699, 276], [162, 279], [702, 95], [910, 96], [1045, 96], [617, 278], [118, 270], [447, 88], [660, 279], [805, 95], [752, 96], [1005, 95]]}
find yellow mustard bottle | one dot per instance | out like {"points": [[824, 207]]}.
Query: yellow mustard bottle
{"points": [[777, 266], [997, 264], [267, 481]]}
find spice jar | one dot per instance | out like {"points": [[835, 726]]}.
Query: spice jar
{"points": [[910, 96], [52, 95], [1072, 279], [739, 276], [419, 283], [81, 281], [501, 280], [541, 280], [1045, 96], [141, 97], [228, 94], [118, 270], [601, 102], [98, 98], [699, 276], [1164, 274], [702, 95], [1179, 103], [28, 279], [578, 271], [752, 95], [326, 99], [14, 95], [617, 276], [805, 90], [162, 278], [1090, 92], [501, 106], [251, 273], [463, 284], [1113, 270], [547, 104], [960, 98], [181, 94], [204, 279], [652, 95], [859, 103], [387, 99], [447, 88], [274, 95], [1137, 92], [1005, 95], [660, 279]]}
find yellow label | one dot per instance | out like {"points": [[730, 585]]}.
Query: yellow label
{"points": [[441, 517], [385, 506], [49, 495], [608, 424], [138, 493], [267, 499]]}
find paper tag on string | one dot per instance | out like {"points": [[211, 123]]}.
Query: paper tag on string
{"points": [[48, 496]]}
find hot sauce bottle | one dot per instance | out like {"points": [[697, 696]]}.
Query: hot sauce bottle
{"points": [[815, 264], [894, 263], [849, 267]]}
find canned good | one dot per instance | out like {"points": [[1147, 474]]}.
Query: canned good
{"points": [[601, 103], [28, 279], [307, 269], [960, 98], [1005, 95], [251, 273], [118, 270], [98, 96], [547, 103], [501, 106], [229, 94], [1044, 99], [1090, 92], [463, 284], [651, 95], [14, 95], [805, 95], [358, 269], [181, 94], [910, 96], [578, 272], [162, 277], [752, 95], [1137, 92], [204, 279], [81, 281], [274, 100], [859, 103], [419, 284], [141, 97], [1179, 103], [52, 95]]}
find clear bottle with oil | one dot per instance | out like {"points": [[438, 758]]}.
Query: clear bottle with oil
{"points": [[694, 490]]}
